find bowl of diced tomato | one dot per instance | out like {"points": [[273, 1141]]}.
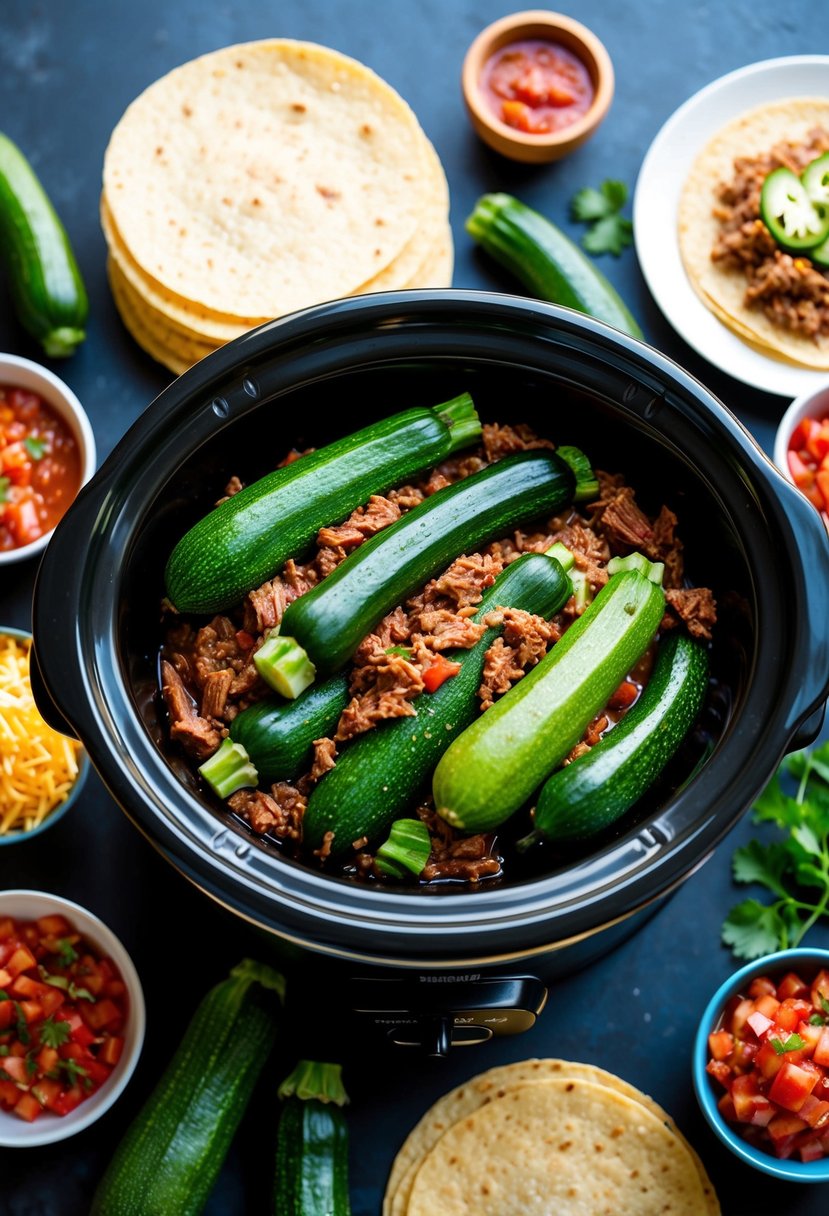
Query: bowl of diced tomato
{"points": [[761, 1064], [801, 447], [71, 1018]]}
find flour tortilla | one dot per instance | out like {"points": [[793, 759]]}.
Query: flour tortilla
{"points": [[266, 177], [561, 1144], [479, 1091], [721, 289]]}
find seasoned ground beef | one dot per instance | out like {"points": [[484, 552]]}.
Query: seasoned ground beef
{"points": [[791, 291], [195, 734]]}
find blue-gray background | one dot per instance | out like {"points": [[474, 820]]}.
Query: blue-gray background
{"points": [[67, 72]]}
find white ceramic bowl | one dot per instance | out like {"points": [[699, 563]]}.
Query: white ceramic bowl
{"points": [[15, 1132], [812, 404], [23, 373]]}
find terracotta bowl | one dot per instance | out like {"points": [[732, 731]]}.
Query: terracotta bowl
{"points": [[518, 27]]}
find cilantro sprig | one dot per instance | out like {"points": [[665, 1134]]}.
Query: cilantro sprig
{"points": [[54, 1034], [795, 869], [609, 232]]}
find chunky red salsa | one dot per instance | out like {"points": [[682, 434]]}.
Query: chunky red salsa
{"points": [[808, 456], [63, 1009], [537, 86], [40, 467], [771, 1053]]}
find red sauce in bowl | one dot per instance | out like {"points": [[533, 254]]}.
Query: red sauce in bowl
{"points": [[536, 86], [40, 467]]}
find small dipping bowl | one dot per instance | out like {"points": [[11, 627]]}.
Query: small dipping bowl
{"points": [[804, 962], [814, 404], [16, 372], [49, 1128], [550, 27]]}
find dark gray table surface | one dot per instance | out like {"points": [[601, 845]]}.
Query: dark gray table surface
{"points": [[67, 72]]}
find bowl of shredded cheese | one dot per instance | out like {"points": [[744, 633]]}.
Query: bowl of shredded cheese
{"points": [[41, 771]]}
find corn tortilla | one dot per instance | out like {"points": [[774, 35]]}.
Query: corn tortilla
{"points": [[720, 288], [471, 1096], [567, 1145], [265, 177]]}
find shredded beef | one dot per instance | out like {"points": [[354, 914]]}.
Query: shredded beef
{"points": [[232, 487], [383, 686], [500, 441], [667, 547], [460, 857], [406, 497], [443, 629], [279, 813], [524, 641], [622, 522], [792, 291], [214, 695], [465, 581], [361, 524], [695, 607], [325, 757], [456, 468], [265, 607], [500, 672], [197, 736]]}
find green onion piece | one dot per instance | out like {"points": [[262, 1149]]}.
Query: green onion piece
{"points": [[229, 769], [35, 446], [311, 1080], [405, 651], [407, 848], [562, 555], [587, 486], [284, 666], [637, 561], [57, 981], [461, 417]]}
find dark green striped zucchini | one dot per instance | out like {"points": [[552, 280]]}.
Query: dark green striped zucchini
{"points": [[312, 1144], [272, 740], [379, 774], [595, 790], [172, 1152], [248, 537], [328, 623], [546, 261], [496, 764], [46, 286]]}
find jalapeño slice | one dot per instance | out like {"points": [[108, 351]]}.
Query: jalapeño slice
{"points": [[788, 212]]}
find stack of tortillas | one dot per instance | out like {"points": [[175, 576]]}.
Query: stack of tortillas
{"points": [[546, 1136], [261, 179]]}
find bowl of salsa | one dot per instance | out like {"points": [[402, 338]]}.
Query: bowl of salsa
{"points": [[761, 1064], [71, 1018], [801, 447], [536, 85], [47, 452]]}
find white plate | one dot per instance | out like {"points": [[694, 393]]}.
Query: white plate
{"points": [[656, 204]]}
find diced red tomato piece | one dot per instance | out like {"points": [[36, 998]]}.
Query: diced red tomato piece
{"points": [[792, 985], [791, 1012], [47, 1059], [720, 1044], [46, 1091], [759, 1023], [9, 1093], [116, 988], [28, 1108], [810, 1035], [5, 978], [6, 927], [740, 1016], [744, 1052], [726, 1108], [7, 1014], [110, 1050], [53, 925], [768, 1005], [817, 442], [51, 1001], [31, 1010], [750, 1105], [803, 432], [792, 1086], [68, 1100], [761, 985], [815, 1112], [820, 988], [821, 1053], [25, 988], [720, 1071], [21, 960], [785, 1124], [811, 1150], [97, 1071], [768, 1061], [104, 1014], [438, 671]]}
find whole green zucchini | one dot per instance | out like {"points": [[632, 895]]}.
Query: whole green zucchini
{"points": [[322, 629], [379, 774], [495, 765], [546, 261], [247, 538], [595, 790], [46, 286], [173, 1150], [312, 1144], [273, 739]]}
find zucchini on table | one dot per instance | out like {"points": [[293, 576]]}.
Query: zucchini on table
{"points": [[492, 769], [378, 775], [273, 739], [173, 1150], [248, 537], [595, 790], [47, 290], [545, 260], [312, 1144], [321, 630]]}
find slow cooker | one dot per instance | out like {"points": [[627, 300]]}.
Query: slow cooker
{"points": [[446, 966]]}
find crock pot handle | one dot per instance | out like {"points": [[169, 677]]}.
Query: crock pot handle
{"points": [[808, 731], [43, 699]]}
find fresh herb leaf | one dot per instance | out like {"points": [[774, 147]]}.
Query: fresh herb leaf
{"points": [[5, 1050], [817, 1019], [22, 1026], [795, 869], [4, 996], [31, 1065], [82, 994], [54, 1034], [824, 1004], [66, 952], [35, 446], [405, 651], [4, 1076], [609, 231], [4, 489], [57, 981], [75, 1072]]}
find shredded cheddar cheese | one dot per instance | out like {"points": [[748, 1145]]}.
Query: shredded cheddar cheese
{"points": [[38, 766]]}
